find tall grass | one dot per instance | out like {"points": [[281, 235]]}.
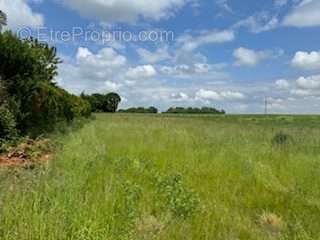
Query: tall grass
{"points": [[150, 177]]}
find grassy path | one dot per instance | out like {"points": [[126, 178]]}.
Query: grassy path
{"points": [[144, 177]]}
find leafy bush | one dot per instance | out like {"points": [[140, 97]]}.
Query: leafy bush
{"points": [[281, 139], [27, 72], [180, 200], [126, 208], [7, 125]]}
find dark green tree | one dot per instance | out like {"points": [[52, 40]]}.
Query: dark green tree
{"points": [[112, 102], [27, 72]]}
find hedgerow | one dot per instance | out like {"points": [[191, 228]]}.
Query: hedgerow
{"points": [[34, 102]]}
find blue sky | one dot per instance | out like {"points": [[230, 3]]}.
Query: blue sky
{"points": [[224, 53]]}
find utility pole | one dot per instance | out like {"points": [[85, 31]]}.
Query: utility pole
{"points": [[266, 105]]}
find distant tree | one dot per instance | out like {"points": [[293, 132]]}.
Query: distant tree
{"points": [[153, 110], [103, 102], [190, 110], [140, 110], [3, 20], [112, 102]]}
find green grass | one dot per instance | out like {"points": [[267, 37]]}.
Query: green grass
{"points": [[171, 177]]}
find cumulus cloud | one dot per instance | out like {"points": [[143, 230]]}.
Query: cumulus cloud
{"points": [[190, 42], [128, 11], [106, 57], [204, 94], [20, 14], [307, 61], [311, 82], [306, 14], [144, 71], [301, 87], [250, 58], [92, 72]]}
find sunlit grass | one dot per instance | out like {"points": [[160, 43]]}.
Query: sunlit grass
{"points": [[166, 177]]}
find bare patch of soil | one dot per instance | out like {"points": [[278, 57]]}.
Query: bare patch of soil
{"points": [[27, 154]]}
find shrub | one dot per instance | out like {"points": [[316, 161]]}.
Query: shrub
{"points": [[175, 196], [7, 125], [27, 72], [49, 105], [281, 139]]}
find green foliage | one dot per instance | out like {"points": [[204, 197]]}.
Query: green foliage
{"points": [[281, 139], [139, 110], [126, 209], [103, 102], [112, 102], [190, 110], [7, 125], [27, 72], [175, 196]]}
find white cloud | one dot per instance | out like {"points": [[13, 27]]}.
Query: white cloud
{"points": [[203, 94], [180, 97], [305, 14], [141, 72], [260, 22], [106, 57], [305, 60], [128, 11], [250, 58], [312, 82], [112, 86], [302, 87], [282, 84], [184, 69], [190, 42], [20, 14], [300, 92], [92, 72], [159, 55]]}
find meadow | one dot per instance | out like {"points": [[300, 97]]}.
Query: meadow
{"points": [[126, 176]]}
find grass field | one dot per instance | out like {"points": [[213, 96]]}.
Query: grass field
{"points": [[171, 177]]}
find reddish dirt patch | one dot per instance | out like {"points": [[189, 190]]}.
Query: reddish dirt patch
{"points": [[6, 161], [27, 154]]}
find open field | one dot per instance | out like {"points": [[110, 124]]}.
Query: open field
{"points": [[171, 177]]}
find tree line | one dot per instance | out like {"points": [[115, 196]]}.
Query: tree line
{"points": [[139, 110], [191, 110], [174, 110]]}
